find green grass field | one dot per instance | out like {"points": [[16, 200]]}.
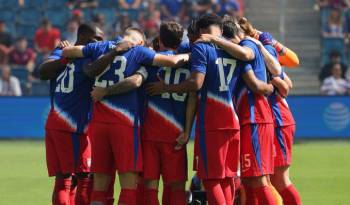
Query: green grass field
{"points": [[321, 171]]}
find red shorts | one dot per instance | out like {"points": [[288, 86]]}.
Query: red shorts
{"points": [[115, 147], [67, 153], [283, 145], [216, 154], [257, 157], [161, 158]]}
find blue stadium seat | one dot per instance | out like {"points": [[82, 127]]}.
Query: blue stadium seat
{"points": [[109, 13], [58, 18], [20, 73], [8, 16], [9, 4], [108, 3], [23, 30], [38, 4], [56, 3], [40, 88], [29, 16]]}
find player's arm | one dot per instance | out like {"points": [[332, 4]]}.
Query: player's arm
{"points": [[191, 107], [256, 85], [240, 52], [73, 52], [170, 61], [51, 68], [270, 59], [128, 84], [288, 81], [281, 86], [97, 67]]}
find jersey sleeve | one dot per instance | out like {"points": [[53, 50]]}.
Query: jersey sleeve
{"points": [[95, 50], [143, 72], [55, 54], [244, 66], [145, 55], [250, 44], [184, 47], [271, 50], [198, 59]]}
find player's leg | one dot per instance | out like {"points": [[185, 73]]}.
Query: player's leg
{"points": [[60, 160], [166, 194], [151, 171], [211, 164], [110, 190], [73, 190], [102, 162], [126, 139], [174, 171], [257, 162], [84, 180], [232, 163], [281, 179]]}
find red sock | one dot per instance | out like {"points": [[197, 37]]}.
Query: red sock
{"points": [[151, 197], [83, 191], [226, 186], [127, 197], [264, 195], [214, 191], [72, 195], [290, 196], [110, 191], [99, 197], [166, 194], [61, 191], [140, 192], [251, 196], [178, 197]]}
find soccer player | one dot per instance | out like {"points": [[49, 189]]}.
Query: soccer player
{"points": [[217, 130], [115, 123], [67, 144], [160, 155], [284, 131]]}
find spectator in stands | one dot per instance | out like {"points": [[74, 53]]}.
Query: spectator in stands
{"points": [[131, 6], [121, 23], [200, 7], [335, 84], [21, 55], [5, 42], [46, 38], [333, 34], [326, 70], [71, 31], [230, 7], [9, 85], [81, 4], [78, 16], [173, 10]]}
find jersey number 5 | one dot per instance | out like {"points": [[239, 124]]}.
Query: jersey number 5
{"points": [[223, 63], [62, 86]]}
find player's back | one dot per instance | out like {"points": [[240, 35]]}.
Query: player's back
{"points": [[71, 101], [252, 107], [215, 105], [123, 108], [167, 110]]}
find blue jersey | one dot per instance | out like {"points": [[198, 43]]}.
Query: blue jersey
{"points": [[215, 106], [184, 47], [123, 108], [252, 107], [167, 110], [281, 113], [70, 97]]}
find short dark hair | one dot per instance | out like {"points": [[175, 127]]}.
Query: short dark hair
{"points": [[171, 34], [207, 20], [21, 38], [84, 29], [192, 28], [230, 27]]}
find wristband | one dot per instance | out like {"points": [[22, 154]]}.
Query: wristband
{"points": [[64, 61]]}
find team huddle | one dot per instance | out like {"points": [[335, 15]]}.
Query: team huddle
{"points": [[128, 108]]}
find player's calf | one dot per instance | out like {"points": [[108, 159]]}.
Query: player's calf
{"points": [[61, 192], [100, 187], [128, 183], [151, 192], [84, 188], [178, 193]]}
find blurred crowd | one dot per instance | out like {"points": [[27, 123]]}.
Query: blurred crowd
{"points": [[31, 29], [335, 55]]}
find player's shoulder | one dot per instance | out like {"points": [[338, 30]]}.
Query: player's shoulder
{"points": [[184, 47], [167, 52], [247, 42]]}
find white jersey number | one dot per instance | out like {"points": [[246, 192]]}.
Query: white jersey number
{"points": [[224, 62], [178, 73], [119, 72], [62, 78]]}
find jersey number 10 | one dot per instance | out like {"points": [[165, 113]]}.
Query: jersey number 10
{"points": [[178, 72]]}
